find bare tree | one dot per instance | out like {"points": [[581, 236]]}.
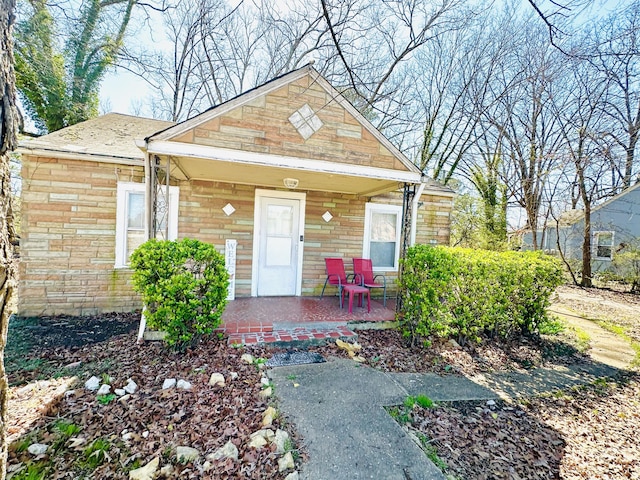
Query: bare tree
{"points": [[581, 120], [8, 141], [526, 124], [617, 58]]}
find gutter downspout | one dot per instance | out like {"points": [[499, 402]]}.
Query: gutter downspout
{"points": [[414, 212]]}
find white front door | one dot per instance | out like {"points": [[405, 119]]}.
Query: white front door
{"points": [[278, 243]]}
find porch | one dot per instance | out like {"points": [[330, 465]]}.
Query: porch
{"points": [[287, 319]]}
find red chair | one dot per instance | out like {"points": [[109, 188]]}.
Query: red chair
{"points": [[363, 269], [336, 276]]}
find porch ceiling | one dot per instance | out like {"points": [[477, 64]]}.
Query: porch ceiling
{"points": [[240, 167]]}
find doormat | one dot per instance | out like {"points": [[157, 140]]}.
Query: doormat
{"points": [[294, 358]]}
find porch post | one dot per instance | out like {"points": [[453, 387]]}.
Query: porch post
{"points": [[407, 215], [149, 227]]}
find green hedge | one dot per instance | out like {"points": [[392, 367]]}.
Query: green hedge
{"points": [[183, 285], [466, 294]]}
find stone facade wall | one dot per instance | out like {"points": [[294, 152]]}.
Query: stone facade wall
{"points": [[67, 241], [68, 233], [262, 125]]}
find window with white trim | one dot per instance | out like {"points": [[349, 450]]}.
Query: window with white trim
{"points": [[603, 242], [130, 219], [382, 227]]}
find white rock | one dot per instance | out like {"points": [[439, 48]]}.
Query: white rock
{"points": [[228, 451], [292, 476], [257, 442], [130, 436], [37, 448], [131, 386], [183, 385], [145, 434], [233, 375], [186, 454], [490, 403], [168, 383], [167, 471], [264, 381], [268, 416], [286, 462], [104, 389], [247, 358], [261, 438], [266, 393], [148, 472], [216, 380], [92, 384], [281, 440], [120, 392]]}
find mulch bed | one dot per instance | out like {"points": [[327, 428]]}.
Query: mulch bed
{"points": [[204, 417]]}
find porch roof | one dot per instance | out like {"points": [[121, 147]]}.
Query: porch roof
{"points": [[200, 162]]}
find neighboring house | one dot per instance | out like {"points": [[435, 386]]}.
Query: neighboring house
{"points": [[277, 179], [615, 225]]}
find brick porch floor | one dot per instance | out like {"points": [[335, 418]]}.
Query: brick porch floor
{"points": [[288, 319]]}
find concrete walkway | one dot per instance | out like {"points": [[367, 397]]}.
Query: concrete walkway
{"points": [[606, 347], [338, 406]]}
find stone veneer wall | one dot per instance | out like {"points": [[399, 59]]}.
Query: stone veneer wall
{"points": [[67, 241], [68, 233]]}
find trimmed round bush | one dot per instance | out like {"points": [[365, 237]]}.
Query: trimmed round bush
{"points": [[183, 286]]}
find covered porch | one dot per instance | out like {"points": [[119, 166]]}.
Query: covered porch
{"points": [[287, 319]]}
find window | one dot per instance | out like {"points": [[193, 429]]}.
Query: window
{"points": [[382, 226], [130, 219], [604, 245]]}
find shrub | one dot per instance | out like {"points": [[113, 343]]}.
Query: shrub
{"points": [[184, 287], [465, 294], [626, 266]]}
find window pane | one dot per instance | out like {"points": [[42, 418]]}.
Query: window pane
{"points": [[134, 240], [135, 213], [383, 227], [383, 254], [605, 239], [279, 220], [603, 251]]}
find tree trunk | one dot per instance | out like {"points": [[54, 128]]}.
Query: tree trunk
{"points": [[586, 248], [8, 127]]}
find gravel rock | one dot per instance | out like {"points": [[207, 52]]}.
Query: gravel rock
{"points": [[186, 454], [168, 383], [228, 451], [183, 385], [131, 386], [216, 380], [148, 472], [37, 448], [92, 384], [104, 389], [286, 462]]}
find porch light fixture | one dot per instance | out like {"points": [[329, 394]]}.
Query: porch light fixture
{"points": [[290, 182], [326, 216], [228, 209]]}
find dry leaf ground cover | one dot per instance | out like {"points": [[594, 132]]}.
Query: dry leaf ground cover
{"points": [[87, 436], [585, 433]]}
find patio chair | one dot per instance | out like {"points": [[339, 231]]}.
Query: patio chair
{"points": [[337, 277], [363, 269]]}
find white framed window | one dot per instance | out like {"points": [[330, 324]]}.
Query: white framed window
{"points": [[130, 219], [603, 242], [382, 228]]}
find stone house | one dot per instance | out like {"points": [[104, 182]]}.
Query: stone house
{"points": [[277, 179]]}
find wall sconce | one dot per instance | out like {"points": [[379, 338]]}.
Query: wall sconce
{"points": [[290, 182]]}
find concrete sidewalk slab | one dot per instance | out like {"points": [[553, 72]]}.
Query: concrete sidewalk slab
{"points": [[338, 409], [442, 389]]}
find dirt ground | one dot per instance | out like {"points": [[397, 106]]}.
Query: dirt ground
{"points": [[584, 433]]}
